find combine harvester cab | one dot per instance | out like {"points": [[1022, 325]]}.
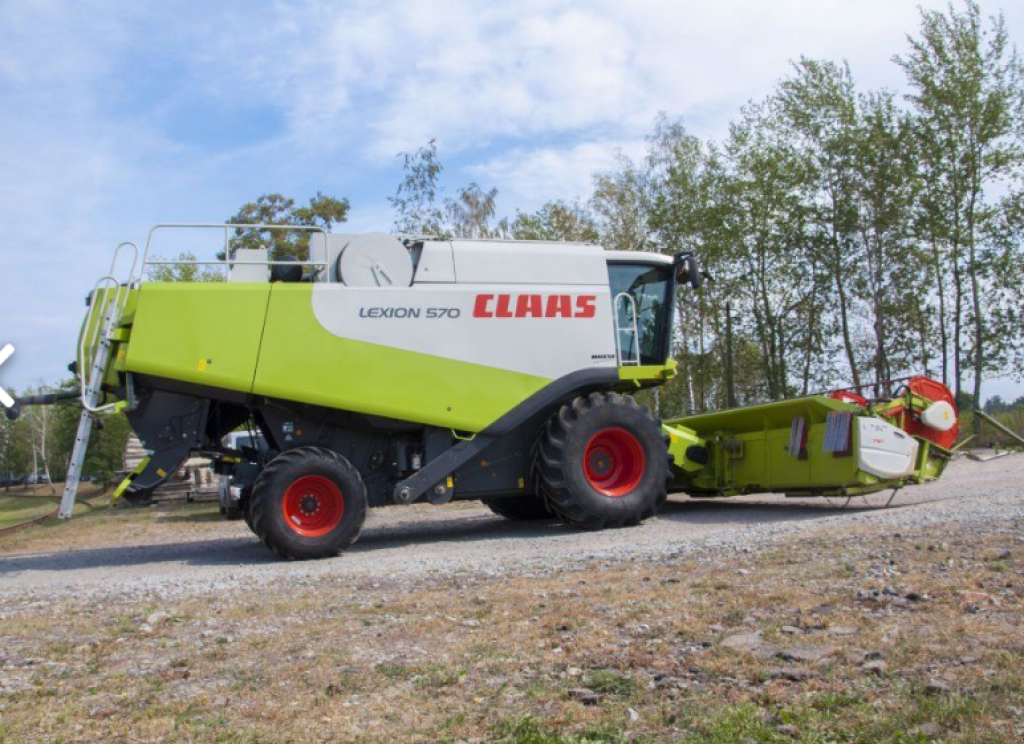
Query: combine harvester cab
{"points": [[393, 369], [840, 444]]}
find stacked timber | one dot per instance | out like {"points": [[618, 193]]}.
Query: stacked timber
{"points": [[194, 481]]}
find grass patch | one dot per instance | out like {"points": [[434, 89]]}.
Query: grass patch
{"points": [[529, 730], [17, 509], [611, 682]]}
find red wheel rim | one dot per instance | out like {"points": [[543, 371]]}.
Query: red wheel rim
{"points": [[313, 505], [614, 462]]}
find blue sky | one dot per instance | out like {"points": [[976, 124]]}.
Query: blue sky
{"points": [[117, 115]]}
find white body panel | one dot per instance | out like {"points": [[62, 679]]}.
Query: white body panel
{"points": [[883, 450], [250, 265], [657, 259], [436, 263], [529, 262], [441, 313], [440, 320], [939, 416]]}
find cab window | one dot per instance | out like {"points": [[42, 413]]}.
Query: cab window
{"points": [[643, 290]]}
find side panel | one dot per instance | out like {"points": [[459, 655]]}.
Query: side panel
{"points": [[301, 360], [885, 451], [204, 333], [535, 330]]}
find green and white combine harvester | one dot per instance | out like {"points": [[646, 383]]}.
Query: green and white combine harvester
{"points": [[391, 369]]}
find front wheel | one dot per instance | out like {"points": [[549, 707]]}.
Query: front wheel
{"points": [[602, 462], [307, 503]]}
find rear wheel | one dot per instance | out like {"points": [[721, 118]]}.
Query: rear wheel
{"points": [[243, 505], [231, 512], [602, 462], [308, 502], [523, 508]]}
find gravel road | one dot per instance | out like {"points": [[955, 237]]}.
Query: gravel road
{"points": [[423, 541]]}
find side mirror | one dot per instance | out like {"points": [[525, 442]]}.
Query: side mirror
{"points": [[687, 270]]}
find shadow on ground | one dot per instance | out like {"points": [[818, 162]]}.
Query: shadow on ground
{"points": [[466, 529]]}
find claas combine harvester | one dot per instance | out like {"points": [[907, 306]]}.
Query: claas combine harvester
{"points": [[391, 369]]}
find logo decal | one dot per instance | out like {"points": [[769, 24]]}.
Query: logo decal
{"points": [[534, 306]]}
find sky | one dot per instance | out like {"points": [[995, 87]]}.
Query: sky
{"points": [[115, 116]]}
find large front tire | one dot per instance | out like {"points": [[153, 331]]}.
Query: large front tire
{"points": [[307, 503], [602, 462]]}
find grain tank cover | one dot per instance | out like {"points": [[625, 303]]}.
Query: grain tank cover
{"points": [[529, 262], [375, 260]]}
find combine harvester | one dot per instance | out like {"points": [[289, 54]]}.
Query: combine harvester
{"points": [[390, 370]]}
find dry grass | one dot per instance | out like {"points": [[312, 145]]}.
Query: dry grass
{"points": [[616, 652]]}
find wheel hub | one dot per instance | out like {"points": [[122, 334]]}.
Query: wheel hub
{"points": [[313, 505], [614, 462]]}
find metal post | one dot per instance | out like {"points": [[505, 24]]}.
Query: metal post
{"points": [[982, 416]]}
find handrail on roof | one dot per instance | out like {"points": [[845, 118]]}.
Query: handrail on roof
{"points": [[226, 227]]}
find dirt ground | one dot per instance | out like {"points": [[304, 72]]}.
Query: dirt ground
{"points": [[754, 619]]}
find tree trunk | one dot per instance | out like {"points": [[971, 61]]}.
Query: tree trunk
{"points": [[812, 329], [837, 272], [730, 378], [979, 324], [943, 331], [957, 325]]}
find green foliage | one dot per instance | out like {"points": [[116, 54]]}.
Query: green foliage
{"points": [[183, 268], [417, 201], [967, 95], [274, 209], [854, 239], [48, 433], [621, 200], [556, 220]]}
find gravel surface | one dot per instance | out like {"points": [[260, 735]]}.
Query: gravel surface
{"points": [[399, 543]]}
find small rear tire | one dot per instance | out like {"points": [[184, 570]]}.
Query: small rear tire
{"points": [[309, 502], [602, 462], [246, 506], [522, 508]]}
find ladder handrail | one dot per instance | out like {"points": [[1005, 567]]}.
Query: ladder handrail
{"points": [[618, 330], [106, 321], [107, 316]]}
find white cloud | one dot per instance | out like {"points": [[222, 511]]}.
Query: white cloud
{"points": [[531, 97], [530, 177], [469, 73]]}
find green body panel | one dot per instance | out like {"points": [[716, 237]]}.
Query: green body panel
{"points": [[637, 376], [98, 305], [203, 333], [301, 360], [765, 416], [264, 339], [680, 439]]}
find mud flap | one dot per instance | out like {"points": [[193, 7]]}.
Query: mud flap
{"points": [[170, 426], [127, 482]]}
